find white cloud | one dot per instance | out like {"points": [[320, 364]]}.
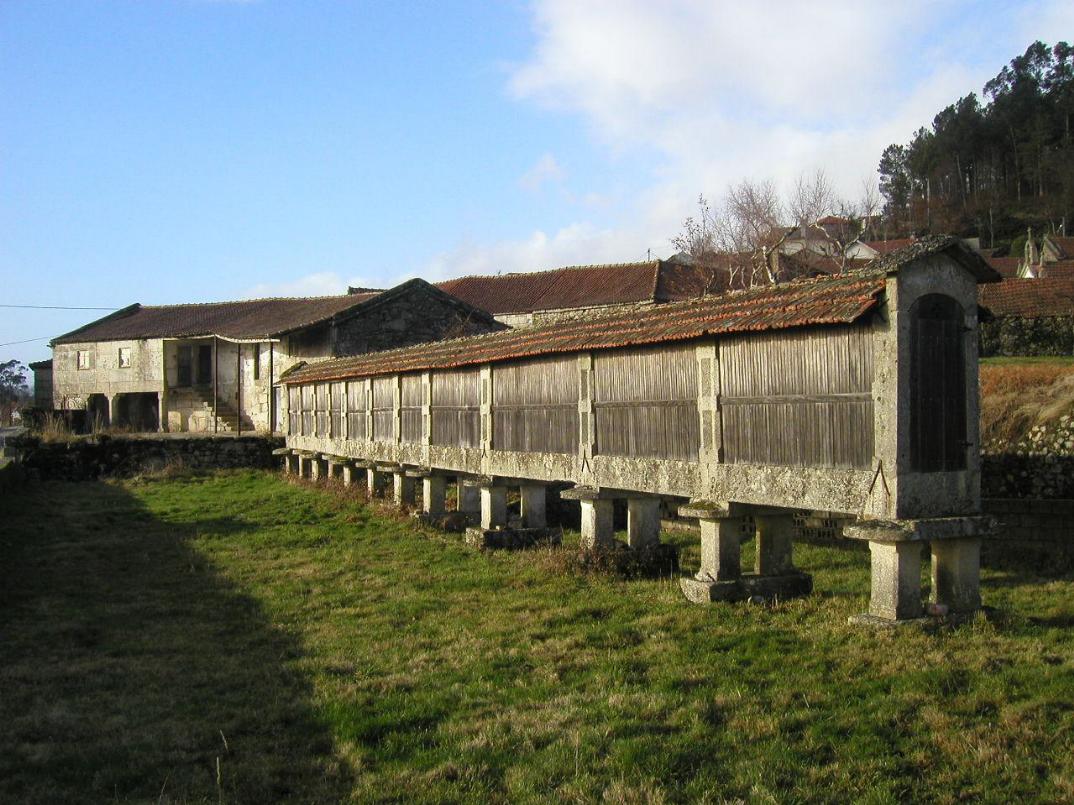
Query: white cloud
{"points": [[719, 91], [544, 170]]}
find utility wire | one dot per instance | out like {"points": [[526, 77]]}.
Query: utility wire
{"points": [[27, 341], [57, 307]]}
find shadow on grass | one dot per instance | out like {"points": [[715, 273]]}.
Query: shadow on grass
{"points": [[131, 670]]}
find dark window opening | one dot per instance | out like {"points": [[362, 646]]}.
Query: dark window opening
{"points": [[205, 364], [183, 357], [937, 385], [257, 361]]}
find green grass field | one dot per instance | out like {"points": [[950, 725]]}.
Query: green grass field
{"points": [[235, 638]]}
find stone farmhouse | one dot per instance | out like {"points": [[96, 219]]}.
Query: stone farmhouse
{"points": [[855, 393], [217, 366]]}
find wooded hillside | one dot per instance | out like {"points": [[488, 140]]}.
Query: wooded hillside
{"points": [[991, 169]]}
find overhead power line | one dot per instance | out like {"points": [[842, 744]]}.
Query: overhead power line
{"points": [[27, 341], [57, 307]]}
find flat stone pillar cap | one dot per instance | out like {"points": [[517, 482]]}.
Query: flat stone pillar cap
{"points": [[308, 453], [282, 451], [419, 472], [334, 459], [705, 510], [362, 464], [387, 466], [488, 480], [964, 527]]}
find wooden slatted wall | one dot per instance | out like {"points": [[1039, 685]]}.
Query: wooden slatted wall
{"points": [[308, 405], [456, 408], [384, 409], [336, 406], [322, 410], [798, 397], [535, 405], [645, 403], [410, 424], [294, 410], [356, 410]]}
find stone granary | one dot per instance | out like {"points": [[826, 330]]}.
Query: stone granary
{"points": [[217, 366], [854, 393]]}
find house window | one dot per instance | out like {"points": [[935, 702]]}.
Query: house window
{"points": [[257, 361], [83, 359], [124, 357]]}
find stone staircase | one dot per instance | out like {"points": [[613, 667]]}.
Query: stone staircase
{"points": [[227, 418]]}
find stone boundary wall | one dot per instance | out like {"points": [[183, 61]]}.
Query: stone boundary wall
{"points": [[1038, 531], [1019, 335], [91, 457]]}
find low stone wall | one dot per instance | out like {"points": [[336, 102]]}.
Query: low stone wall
{"points": [[91, 457], [1037, 532], [1019, 335]]}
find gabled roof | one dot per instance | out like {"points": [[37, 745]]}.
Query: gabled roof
{"points": [[245, 320], [1006, 267], [557, 289], [1065, 245], [827, 300], [1029, 298], [929, 245], [254, 318], [883, 247]]}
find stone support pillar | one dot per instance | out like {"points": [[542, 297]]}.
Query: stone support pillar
{"points": [[348, 474], [469, 502], [302, 465], [721, 549], [598, 529], [774, 538], [533, 506], [643, 522], [432, 495], [373, 478], [113, 410], [493, 507], [403, 487], [896, 580], [956, 573], [315, 468]]}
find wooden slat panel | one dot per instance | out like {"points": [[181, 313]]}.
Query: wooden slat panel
{"points": [[645, 403], [456, 408], [535, 406], [384, 409], [798, 398]]}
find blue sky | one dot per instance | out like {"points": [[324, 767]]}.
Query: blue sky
{"points": [[190, 150]]}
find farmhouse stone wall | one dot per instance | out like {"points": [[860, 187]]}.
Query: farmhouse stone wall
{"points": [[1039, 466], [1039, 530], [91, 457], [1017, 335]]}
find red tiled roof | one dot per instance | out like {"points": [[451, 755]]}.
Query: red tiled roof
{"points": [[828, 300], [1060, 268], [886, 246], [1029, 298], [560, 288], [1064, 243], [1006, 266], [256, 318]]}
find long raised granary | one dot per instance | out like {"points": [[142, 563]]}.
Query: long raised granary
{"points": [[854, 393]]}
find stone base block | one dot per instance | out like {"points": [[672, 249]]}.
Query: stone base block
{"points": [[950, 619], [749, 585], [513, 539]]}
